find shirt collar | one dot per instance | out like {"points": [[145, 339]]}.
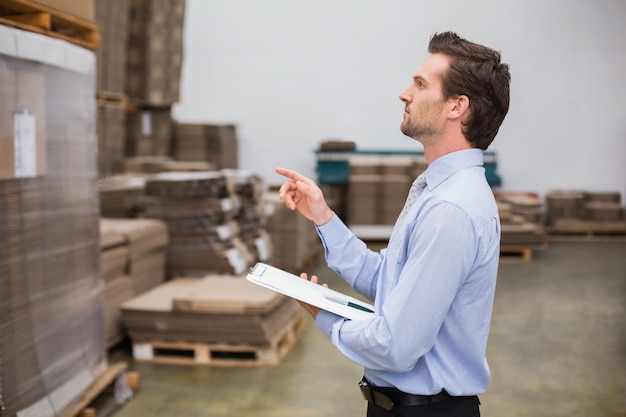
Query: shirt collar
{"points": [[443, 167]]}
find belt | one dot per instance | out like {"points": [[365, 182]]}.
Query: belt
{"points": [[387, 398]]}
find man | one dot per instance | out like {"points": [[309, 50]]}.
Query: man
{"points": [[433, 286]]}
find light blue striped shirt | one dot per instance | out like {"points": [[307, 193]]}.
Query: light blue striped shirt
{"points": [[433, 286]]}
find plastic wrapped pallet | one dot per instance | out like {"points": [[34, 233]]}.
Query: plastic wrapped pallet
{"points": [[51, 312]]}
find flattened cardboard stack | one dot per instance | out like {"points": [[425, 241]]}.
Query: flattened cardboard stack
{"points": [[516, 231], [564, 205], [378, 187], [111, 132], [132, 262], [149, 131], [121, 195], [587, 212], [526, 205], [204, 216], [214, 143], [251, 217], [155, 51], [156, 164], [147, 240], [154, 61], [112, 20], [220, 311], [51, 327], [294, 239]]}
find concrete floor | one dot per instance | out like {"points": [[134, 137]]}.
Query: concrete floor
{"points": [[557, 348]]}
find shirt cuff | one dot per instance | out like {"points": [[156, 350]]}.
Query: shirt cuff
{"points": [[325, 321], [333, 231]]}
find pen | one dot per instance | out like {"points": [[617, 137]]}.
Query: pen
{"points": [[345, 302]]}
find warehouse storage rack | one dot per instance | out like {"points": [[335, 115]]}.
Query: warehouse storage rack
{"points": [[333, 166]]}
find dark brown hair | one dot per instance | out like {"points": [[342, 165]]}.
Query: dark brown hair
{"points": [[476, 72]]}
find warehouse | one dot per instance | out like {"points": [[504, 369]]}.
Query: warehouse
{"points": [[138, 146]]}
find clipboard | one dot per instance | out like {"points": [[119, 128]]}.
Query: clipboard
{"points": [[304, 290]]}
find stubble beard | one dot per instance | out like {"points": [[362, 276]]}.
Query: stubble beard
{"points": [[420, 132], [424, 130]]}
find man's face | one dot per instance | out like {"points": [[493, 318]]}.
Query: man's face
{"points": [[424, 114]]}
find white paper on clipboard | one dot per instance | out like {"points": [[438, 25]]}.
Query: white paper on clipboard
{"points": [[295, 287]]}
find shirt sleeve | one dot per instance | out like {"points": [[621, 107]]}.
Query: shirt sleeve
{"points": [[349, 257], [439, 252]]}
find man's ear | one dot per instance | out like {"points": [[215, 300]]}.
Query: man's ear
{"points": [[459, 107]]}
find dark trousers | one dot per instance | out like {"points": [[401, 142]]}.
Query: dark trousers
{"points": [[452, 407]]}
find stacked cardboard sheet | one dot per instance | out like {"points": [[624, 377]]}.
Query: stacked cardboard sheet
{"points": [[154, 51], [294, 239], [121, 195], [592, 206], [132, 257], [212, 217], [522, 234], [213, 143], [156, 164], [51, 328], [149, 130], [378, 187], [564, 205], [213, 309], [528, 206]]}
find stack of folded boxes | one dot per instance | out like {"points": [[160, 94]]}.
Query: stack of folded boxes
{"points": [[112, 19], [603, 206], [213, 143], [121, 195], [251, 217], [581, 211], [132, 261], [201, 211], [156, 164], [51, 328], [521, 220], [223, 312], [564, 205], [378, 187], [295, 242], [154, 53], [364, 190]]}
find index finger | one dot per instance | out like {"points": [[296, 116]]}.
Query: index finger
{"points": [[292, 175]]}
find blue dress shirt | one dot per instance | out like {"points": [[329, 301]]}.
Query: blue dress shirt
{"points": [[433, 286]]}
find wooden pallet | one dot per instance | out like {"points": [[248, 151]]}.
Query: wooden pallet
{"points": [[219, 354], [518, 252], [104, 98], [35, 17], [101, 392], [587, 228]]}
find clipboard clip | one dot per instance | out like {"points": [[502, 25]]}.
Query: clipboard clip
{"points": [[258, 270]]}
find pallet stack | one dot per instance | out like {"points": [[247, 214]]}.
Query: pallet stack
{"points": [[216, 144], [52, 331], [380, 185], [294, 239], [154, 55], [220, 320], [132, 262], [213, 219], [112, 100], [585, 212]]}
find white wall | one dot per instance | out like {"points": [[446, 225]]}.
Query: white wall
{"points": [[291, 74]]}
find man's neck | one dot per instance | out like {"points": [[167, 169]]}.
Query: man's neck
{"points": [[432, 152]]}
